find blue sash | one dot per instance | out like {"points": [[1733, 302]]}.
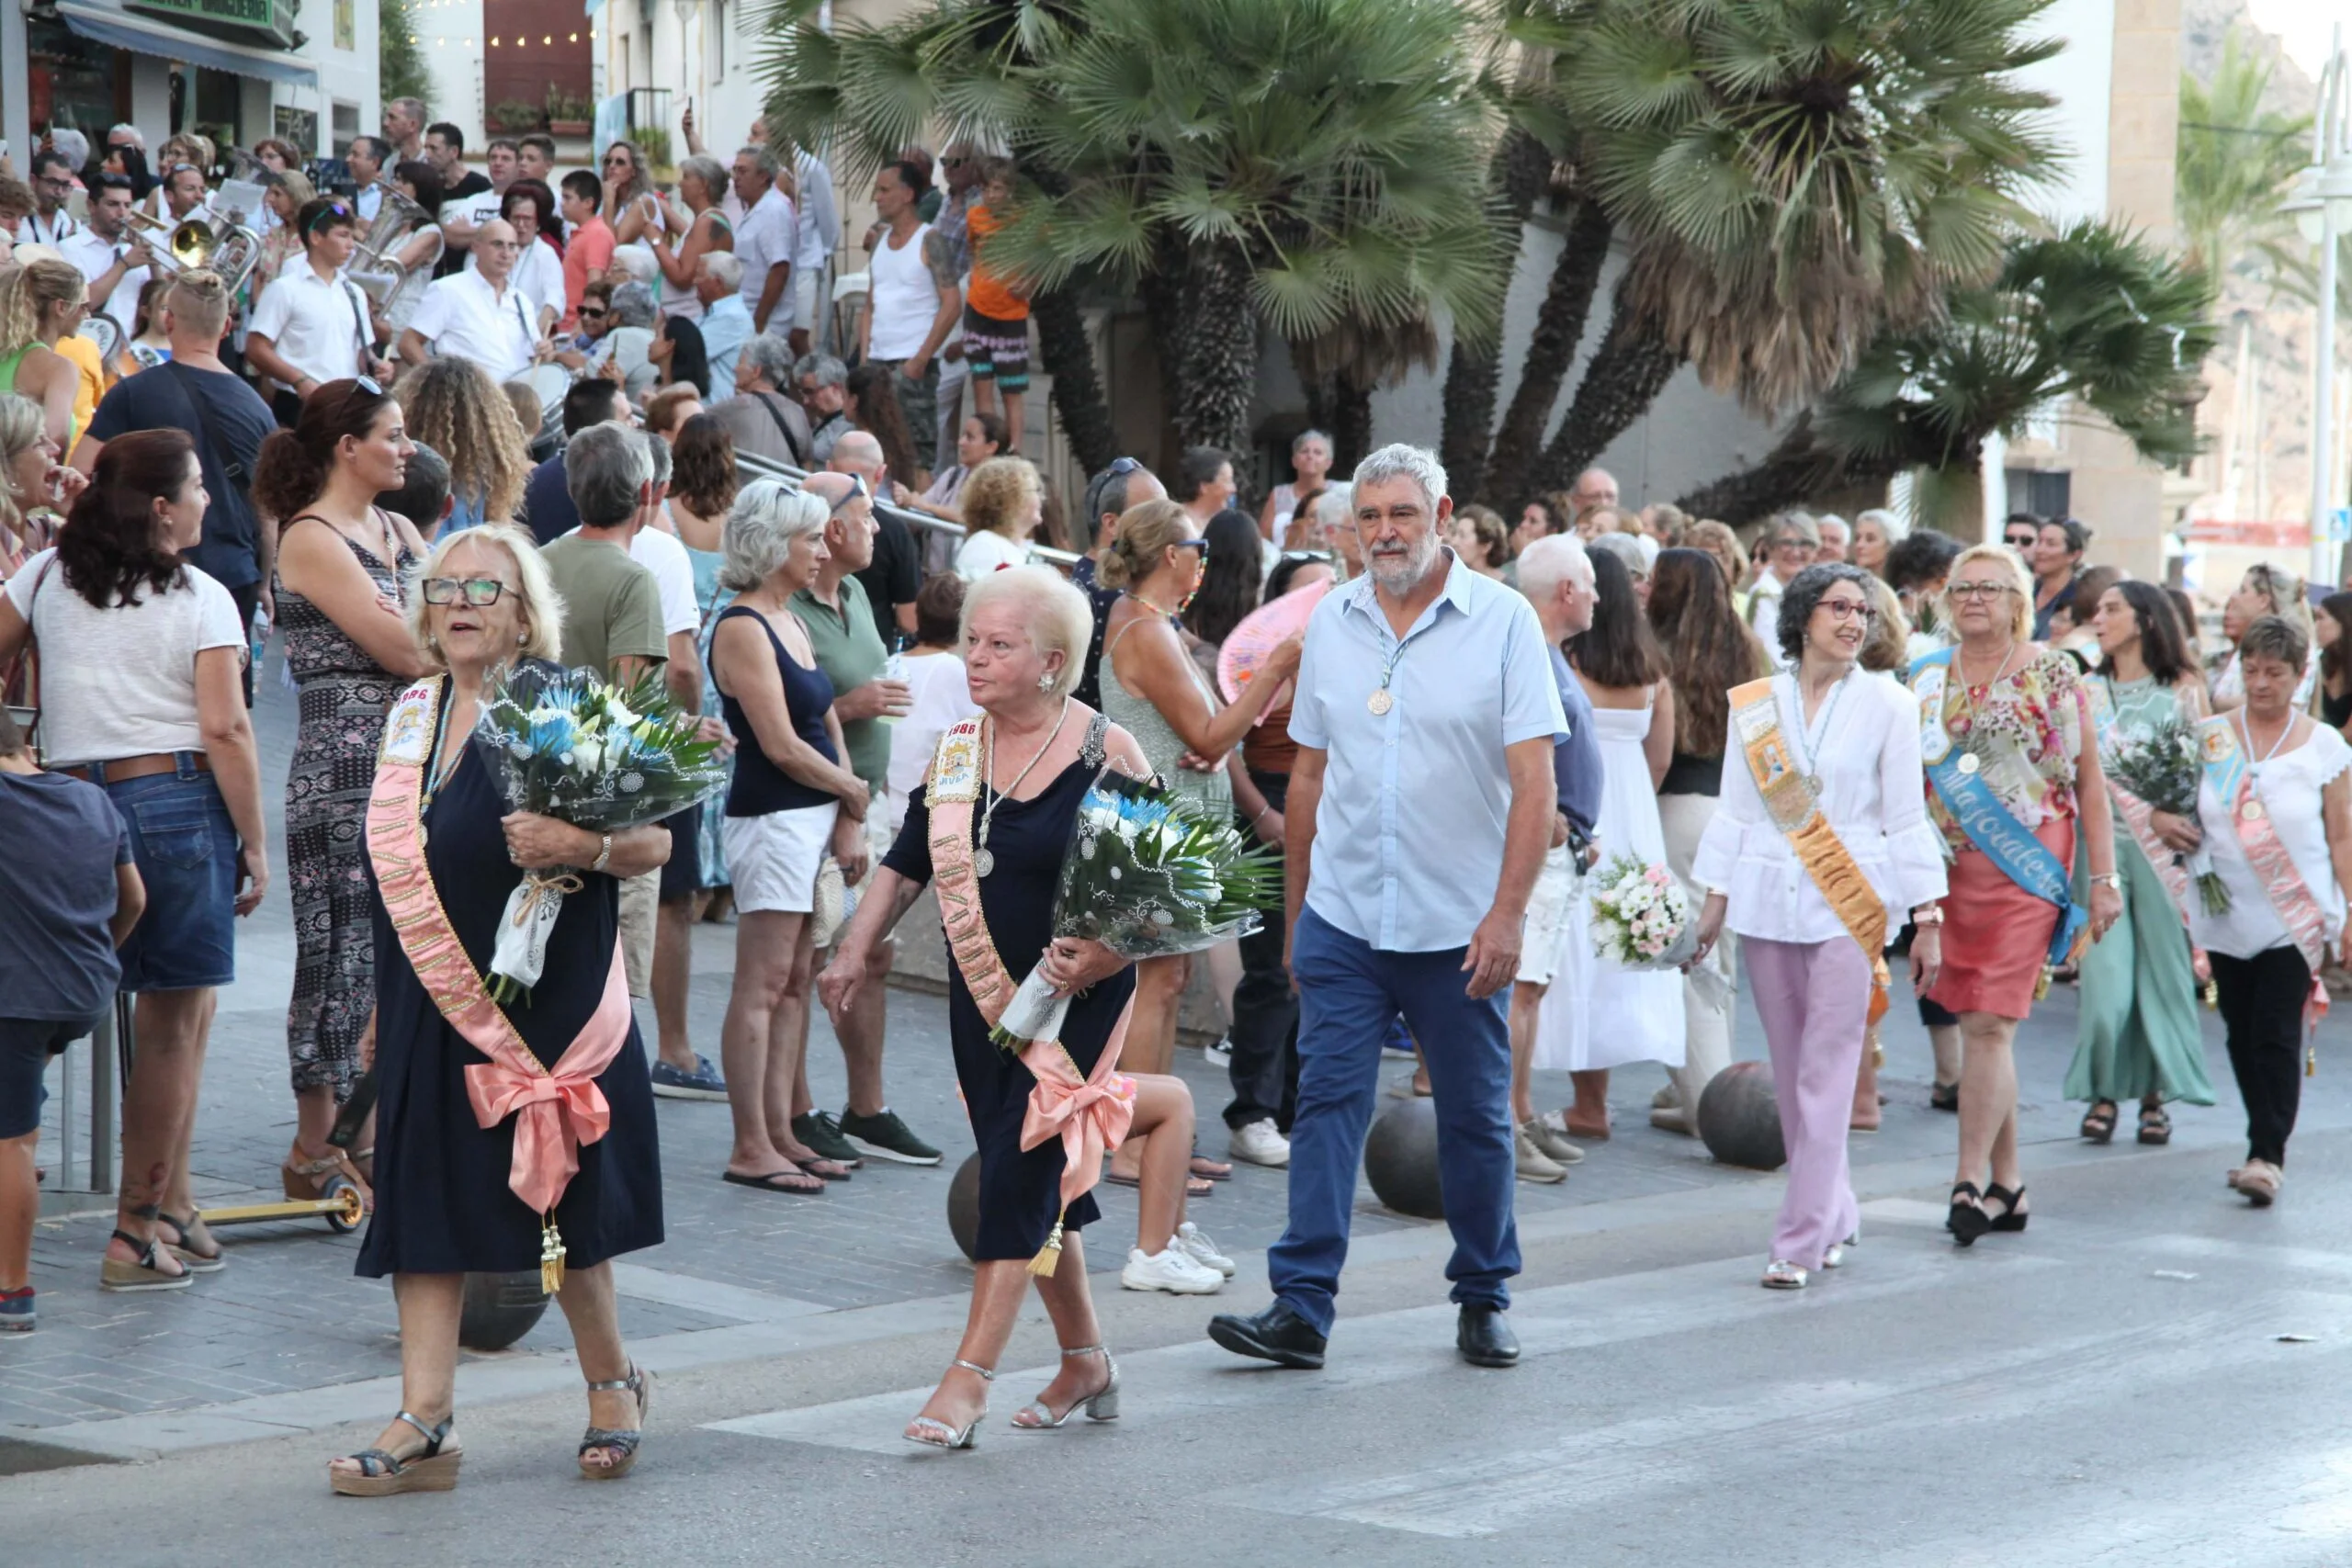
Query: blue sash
{"points": [[2021, 857]]}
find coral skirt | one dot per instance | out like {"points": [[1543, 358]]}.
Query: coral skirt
{"points": [[1997, 935]]}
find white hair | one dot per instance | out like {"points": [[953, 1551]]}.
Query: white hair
{"points": [[725, 267], [1892, 526], [768, 514], [1398, 461], [1056, 615], [542, 604], [1332, 506], [1550, 561], [638, 262], [1624, 547]]}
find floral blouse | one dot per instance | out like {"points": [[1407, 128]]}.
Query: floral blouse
{"points": [[2026, 732]]}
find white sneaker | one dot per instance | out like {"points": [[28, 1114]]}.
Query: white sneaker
{"points": [[1219, 1054], [1198, 1246], [1172, 1269], [1260, 1143]]}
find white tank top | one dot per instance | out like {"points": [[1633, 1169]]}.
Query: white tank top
{"points": [[905, 297]]}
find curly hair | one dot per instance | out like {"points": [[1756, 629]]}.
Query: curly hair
{"points": [[455, 407], [27, 293], [1802, 596], [702, 474], [22, 423], [1618, 649], [109, 546], [1709, 650], [999, 495]]}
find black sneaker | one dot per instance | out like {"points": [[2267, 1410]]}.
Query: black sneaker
{"points": [[823, 1134], [884, 1136]]}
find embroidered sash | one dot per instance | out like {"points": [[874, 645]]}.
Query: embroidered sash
{"points": [[555, 1109], [1795, 810], [1090, 1114], [2137, 814], [2006, 841], [2232, 780]]}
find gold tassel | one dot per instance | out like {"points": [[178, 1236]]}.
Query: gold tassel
{"points": [[551, 1250], [2212, 997], [2310, 1061], [2041, 985], [1049, 1255]]}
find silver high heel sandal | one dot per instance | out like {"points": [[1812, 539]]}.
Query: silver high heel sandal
{"points": [[949, 1438], [1102, 1405]]}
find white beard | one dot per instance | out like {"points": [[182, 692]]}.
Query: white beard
{"points": [[1404, 576]]}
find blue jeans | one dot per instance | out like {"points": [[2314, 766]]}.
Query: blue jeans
{"points": [[1349, 994], [185, 848]]}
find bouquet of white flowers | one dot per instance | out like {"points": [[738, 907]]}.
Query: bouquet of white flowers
{"points": [[1146, 878], [2164, 768], [566, 744], [1641, 917]]}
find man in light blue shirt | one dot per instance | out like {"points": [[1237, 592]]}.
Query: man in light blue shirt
{"points": [[1421, 808], [726, 319]]}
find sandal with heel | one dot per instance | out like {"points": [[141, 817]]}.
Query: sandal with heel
{"points": [[2011, 1217], [621, 1441], [1103, 1405], [2099, 1122], [949, 1438], [1968, 1220], [192, 1231], [382, 1472], [143, 1273], [2156, 1125]]}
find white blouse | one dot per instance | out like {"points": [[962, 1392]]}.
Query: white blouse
{"points": [[2288, 787], [984, 551], [1874, 793]]}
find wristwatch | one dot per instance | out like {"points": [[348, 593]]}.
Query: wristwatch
{"points": [[603, 854], [2112, 878]]}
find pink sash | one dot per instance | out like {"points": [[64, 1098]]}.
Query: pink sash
{"points": [[2299, 911], [554, 1111], [1090, 1114], [2138, 815]]}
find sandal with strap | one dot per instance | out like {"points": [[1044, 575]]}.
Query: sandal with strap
{"points": [[382, 1472], [948, 1436], [2011, 1217], [2099, 1122], [1968, 1220], [145, 1273], [193, 1233], [2156, 1125], [304, 1177], [621, 1441], [1100, 1405]]}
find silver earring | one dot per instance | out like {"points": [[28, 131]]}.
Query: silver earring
{"points": [[1045, 683]]}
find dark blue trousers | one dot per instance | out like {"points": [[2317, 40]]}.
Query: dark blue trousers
{"points": [[1349, 994]]}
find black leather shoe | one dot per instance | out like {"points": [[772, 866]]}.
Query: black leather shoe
{"points": [[1483, 1336], [1278, 1334]]}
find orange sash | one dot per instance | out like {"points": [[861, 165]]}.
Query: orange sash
{"points": [[1090, 1114], [557, 1109]]}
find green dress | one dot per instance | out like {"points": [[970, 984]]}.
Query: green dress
{"points": [[2139, 1031]]}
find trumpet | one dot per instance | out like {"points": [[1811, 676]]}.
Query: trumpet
{"points": [[394, 264], [203, 241]]}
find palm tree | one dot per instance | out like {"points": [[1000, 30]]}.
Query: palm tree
{"points": [[2094, 315], [2234, 162], [1786, 178], [1311, 168]]}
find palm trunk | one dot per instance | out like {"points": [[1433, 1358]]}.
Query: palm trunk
{"points": [[1474, 378], [1207, 331], [1551, 349], [1350, 419], [1628, 370], [1798, 469], [1065, 353]]}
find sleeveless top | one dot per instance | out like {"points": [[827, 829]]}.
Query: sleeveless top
{"points": [[760, 786], [1211, 793], [8, 369]]}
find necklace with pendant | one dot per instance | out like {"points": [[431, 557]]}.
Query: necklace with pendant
{"points": [[2254, 810], [1807, 732], [1382, 698], [983, 861], [1969, 761]]}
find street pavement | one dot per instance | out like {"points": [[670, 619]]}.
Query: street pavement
{"points": [[2141, 1377]]}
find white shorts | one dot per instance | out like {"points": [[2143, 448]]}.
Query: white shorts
{"points": [[1557, 888], [772, 859]]}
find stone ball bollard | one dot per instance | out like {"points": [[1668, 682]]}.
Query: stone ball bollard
{"points": [[498, 1309], [1400, 1159], [964, 1206], [1739, 1119]]}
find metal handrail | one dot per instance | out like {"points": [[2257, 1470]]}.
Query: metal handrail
{"points": [[758, 467]]}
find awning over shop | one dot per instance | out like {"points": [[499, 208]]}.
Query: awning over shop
{"points": [[121, 31]]}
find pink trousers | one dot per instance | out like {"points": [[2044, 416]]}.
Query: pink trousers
{"points": [[1814, 998]]}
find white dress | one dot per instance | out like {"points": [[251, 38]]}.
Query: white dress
{"points": [[1638, 1013]]}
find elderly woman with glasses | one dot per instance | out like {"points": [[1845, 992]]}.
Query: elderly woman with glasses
{"points": [[1792, 542], [2013, 764], [460, 1187]]}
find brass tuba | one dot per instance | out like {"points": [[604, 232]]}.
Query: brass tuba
{"points": [[394, 264], [205, 241]]}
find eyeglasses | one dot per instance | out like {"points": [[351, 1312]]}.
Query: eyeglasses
{"points": [[591, 313], [1848, 609], [1200, 545], [478, 591], [1794, 544], [1962, 591], [55, 182]]}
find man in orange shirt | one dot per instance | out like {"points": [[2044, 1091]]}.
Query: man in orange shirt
{"points": [[996, 310], [588, 252]]}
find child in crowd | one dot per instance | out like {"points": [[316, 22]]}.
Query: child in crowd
{"points": [[996, 313], [63, 914]]}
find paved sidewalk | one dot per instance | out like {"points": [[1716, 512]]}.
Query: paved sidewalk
{"points": [[288, 1316]]}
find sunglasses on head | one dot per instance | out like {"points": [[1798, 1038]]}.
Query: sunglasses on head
{"points": [[856, 490], [328, 213]]}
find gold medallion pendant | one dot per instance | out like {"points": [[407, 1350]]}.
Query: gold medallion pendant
{"points": [[1968, 764], [2252, 811], [1380, 702]]}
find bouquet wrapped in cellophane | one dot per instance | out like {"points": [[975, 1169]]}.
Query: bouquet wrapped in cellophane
{"points": [[2163, 767], [569, 744], [1146, 877], [1641, 917]]}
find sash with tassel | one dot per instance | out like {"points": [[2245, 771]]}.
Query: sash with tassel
{"points": [[2138, 815], [1795, 810], [2003, 839], [2234, 784], [1088, 1112], [555, 1109]]}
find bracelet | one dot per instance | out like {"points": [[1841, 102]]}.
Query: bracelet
{"points": [[1931, 916], [2112, 878], [1263, 813], [603, 854]]}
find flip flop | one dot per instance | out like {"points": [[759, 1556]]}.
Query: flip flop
{"points": [[1211, 1169], [768, 1183], [839, 1173], [1194, 1186]]}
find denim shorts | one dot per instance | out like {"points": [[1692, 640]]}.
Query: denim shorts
{"points": [[186, 848], [26, 1047]]}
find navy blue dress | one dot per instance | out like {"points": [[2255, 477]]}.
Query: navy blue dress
{"points": [[1020, 1193], [442, 1202]]}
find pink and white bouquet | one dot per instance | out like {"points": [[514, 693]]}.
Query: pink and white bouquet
{"points": [[1641, 917]]}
